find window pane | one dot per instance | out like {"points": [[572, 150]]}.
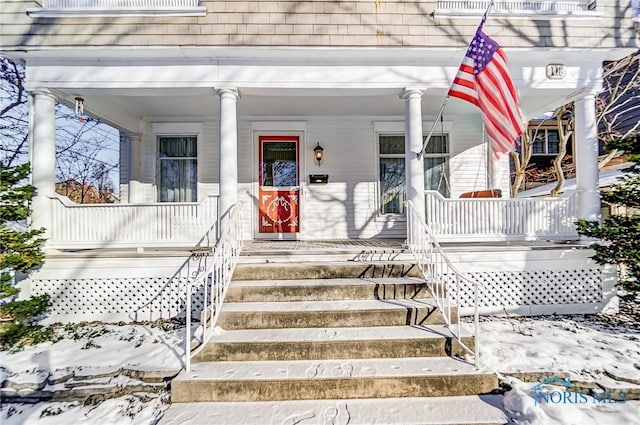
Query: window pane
{"points": [[178, 178], [436, 175], [176, 147], [392, 187], [169, 178], [391, 145], [279, 164], [538, 143], [437, 144], [553, 141]]}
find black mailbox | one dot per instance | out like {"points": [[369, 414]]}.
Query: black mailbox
{"points": [[318, 178]]}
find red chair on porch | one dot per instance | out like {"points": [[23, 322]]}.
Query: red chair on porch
{"points": [[488, 193]]}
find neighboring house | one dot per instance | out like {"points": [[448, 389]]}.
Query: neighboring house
{"points": [[223, 102], [606, 179], [83, 193], [618, 111]]}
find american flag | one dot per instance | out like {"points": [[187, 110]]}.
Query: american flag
{"points": [[483, 79]]}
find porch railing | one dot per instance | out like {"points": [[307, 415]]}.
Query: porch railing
{"points": [[501, 219], [129, 225], [63, 8], [116, 4], [213, 281], [518, 6], [444, 281]]}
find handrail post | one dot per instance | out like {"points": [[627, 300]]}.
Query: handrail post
{"points": [[214, 277], [187, 350], [440, 275], [476, 320]]}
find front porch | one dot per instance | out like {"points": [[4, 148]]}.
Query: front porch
{"points": [[188, 225], [187, 152]]}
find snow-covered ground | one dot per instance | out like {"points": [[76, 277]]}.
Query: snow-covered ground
{"points": [[585, 347]]}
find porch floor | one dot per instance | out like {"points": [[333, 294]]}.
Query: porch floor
{"points": [[329, 246], [351, 245]]}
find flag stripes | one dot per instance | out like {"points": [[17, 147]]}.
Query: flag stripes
{"points": [[483, 80]]}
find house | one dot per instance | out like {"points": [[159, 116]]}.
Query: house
{"points": [[617, 114], [84, 193], [223, 103]]}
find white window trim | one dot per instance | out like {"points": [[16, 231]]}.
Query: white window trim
{"points": [[177, 129]]}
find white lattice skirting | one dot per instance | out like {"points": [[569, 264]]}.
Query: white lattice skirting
{"points": [[139, 299], [535, 287], [130, 299]]}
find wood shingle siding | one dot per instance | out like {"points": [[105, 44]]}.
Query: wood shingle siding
{"points": [[314, 23]]}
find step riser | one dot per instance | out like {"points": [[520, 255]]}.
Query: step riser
{"points": [[320, 350], [330, 319], [332, 388], [329, 271], [327, 292]]}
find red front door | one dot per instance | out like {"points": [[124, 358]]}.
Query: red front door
{"points": [[279, 184]]}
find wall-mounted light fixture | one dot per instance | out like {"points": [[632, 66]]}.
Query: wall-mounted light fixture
{"points": [[318, 151]]}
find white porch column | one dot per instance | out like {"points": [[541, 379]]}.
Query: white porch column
{"points": [[43, 157], [228, 149], [586, 154], [413, 139], [136, 194]]}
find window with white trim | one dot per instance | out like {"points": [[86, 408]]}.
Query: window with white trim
{"points": [[392, 170], [545, 141], [177, 168]]}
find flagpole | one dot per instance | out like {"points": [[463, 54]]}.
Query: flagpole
{"points": [[435, 122], [446, 99]]}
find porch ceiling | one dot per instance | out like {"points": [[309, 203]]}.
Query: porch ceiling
{"points": [[110, 105]]}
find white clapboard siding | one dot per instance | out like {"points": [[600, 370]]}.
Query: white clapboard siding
{"points": [[346, 207]]}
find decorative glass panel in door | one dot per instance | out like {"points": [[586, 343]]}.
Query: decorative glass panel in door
{"points": [[279, 184]]}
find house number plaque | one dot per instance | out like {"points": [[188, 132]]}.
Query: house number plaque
{"points": [[555, 71]]}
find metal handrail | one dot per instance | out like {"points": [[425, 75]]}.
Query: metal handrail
{"points": [[441, 276], [213, 278]]}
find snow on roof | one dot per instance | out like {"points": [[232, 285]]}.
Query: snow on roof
{"points": [[607, 178]]}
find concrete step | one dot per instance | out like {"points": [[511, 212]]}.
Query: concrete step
{"points": [[330, 379], [470, 410], [334, 343], [324, 270], [329, 314], [366, 256], [326, 289]]}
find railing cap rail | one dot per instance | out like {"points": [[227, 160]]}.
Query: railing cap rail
{"points": [[69, 203]]}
